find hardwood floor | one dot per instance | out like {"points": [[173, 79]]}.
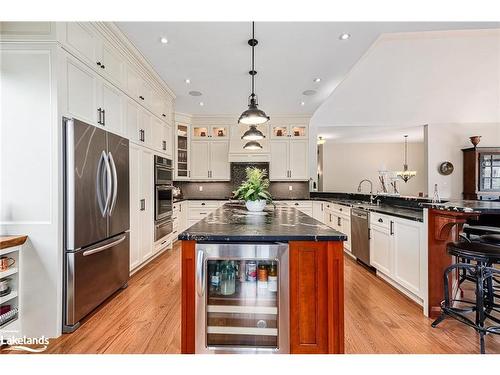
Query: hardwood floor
{"points": [[145, 318]]}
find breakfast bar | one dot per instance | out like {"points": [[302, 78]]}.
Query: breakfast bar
{"points": [[262, 282]]}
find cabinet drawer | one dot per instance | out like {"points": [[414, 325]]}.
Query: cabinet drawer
{"points": [[300, 204], [199, 213], [204, 204], [340, 209], [380, 220]]}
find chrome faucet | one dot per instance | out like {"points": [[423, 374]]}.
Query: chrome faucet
{"points": [[371, 185]]}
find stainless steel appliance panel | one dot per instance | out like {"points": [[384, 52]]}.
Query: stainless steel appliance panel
{"points": [[240, 251], [163, 227], [88, 182], [360, 236], [93, 274], [164, 173], [118, 156], [163, 201]]}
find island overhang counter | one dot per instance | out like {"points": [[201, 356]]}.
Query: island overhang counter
{"points": [[268, 282]]}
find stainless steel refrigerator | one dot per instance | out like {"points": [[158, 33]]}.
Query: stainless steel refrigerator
{"points": [[97, 219]]}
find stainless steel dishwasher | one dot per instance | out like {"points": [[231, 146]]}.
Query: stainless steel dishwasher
{"points": [[360, 235]]}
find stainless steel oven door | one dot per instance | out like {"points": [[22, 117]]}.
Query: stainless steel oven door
{"points": [[163, 228], [163, 175], [250, 318], [163, 202]]}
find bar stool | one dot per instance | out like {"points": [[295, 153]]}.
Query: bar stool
{"points": [[478, 260]]}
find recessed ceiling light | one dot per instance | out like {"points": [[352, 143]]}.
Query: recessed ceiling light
{"points": [[202, 104], [344, 36], [302, 103], [187, 80], [195, 93], [317, 80], [164, 40], [309, 92]]}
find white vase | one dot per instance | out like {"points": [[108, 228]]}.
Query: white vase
{"points": [[255, 206]]}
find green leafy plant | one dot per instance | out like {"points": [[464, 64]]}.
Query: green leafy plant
{"points": [[255, 187]]}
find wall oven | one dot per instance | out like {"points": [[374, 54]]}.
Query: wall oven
{"points": [[164, 174], [242, 298], [163, 197]]}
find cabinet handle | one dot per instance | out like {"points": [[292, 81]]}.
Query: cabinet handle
{"points": [[98, 63], [340, 209], [392, 227], [141, 135], [321, 206], [380, 220], [143, 204], [189, 174], [338, 221], [203, 213], [203, 204], [164, 145], [99, 111], [103, 117], [141, 97], [369, 234], [164, 115], [103, 67]]}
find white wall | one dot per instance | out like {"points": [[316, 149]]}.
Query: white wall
{"points": [[30, 188], [444, 143], [346, 164]]}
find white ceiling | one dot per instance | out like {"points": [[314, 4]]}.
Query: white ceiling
{"points": [[371, 134], [420, 78], [215, 56]]}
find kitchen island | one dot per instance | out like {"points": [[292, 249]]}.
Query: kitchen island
{"points": [[269, 282], [445, 223]]}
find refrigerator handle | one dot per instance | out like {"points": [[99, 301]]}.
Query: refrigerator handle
{"points": [[200, 277], [108, 183], [115, 182], [104, 247], [99, 185]]}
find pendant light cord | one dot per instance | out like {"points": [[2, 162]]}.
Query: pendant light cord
{"points": [[253, 59]]}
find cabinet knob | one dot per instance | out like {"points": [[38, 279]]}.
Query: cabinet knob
{"points": [[380, 220], [203, 204], [141, 97], [164, 115], [98, 63]]}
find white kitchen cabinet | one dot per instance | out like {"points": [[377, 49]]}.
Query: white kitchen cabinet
{"points": [[82, 40], [141, 205], [289, 131], [168, 140], [381, 249], [319, 211], [132, 111], [279, 165], [408, 260], [157, 134], [338, 217], [397, 249], [112, 104], [200, 160], [219, 161], [288, 160], [81, 91], [198, 210], [209, 160], [305, 207]]}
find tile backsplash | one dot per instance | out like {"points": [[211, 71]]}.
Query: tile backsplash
{"points": [[223, 190]]}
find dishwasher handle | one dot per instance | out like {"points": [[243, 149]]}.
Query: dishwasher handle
{"points": [[200, 274]]}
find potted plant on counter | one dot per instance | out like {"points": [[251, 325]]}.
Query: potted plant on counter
{"points": [[254, 191]]}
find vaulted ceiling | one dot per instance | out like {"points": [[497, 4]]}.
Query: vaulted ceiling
{"points": [[215, 57]]}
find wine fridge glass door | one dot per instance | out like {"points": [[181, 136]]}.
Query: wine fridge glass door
{"points": [[242, 298]]}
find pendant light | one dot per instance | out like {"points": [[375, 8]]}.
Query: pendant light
{"points": [[253, 115], [405, 174], [252, 145]]}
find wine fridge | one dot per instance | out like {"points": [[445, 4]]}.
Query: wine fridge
{"points": [[242, 298]]}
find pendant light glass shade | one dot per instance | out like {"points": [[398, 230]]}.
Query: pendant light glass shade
{"points": [[253, 115], [253, 134], [252, 145], [406, 174]]}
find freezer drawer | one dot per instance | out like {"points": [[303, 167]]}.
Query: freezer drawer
{"points": [[93, 274]]}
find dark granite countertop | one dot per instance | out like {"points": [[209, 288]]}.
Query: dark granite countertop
{"points": [[233, 223], [484, 207]]}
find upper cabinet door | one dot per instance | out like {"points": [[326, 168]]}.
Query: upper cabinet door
{"points": [[113, 108], [157, 134], [279, 131], [133, 82], [112, 65], [278, 167], [83, 41], [81, 92], [168, 139], [298, 131], [200, 159], [132, 120], [298, 160], [200, 132], [219, 132], [219, 160]]}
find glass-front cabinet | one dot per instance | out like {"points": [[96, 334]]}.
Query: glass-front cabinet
{"points": [[182, 165], [289, 131], [212, 131], [489, 172], [481, 174], [242, 298]]}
